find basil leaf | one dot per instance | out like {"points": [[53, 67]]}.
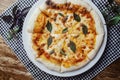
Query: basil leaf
{"points": [[76, 17], [84, 29], [116, 9], [105, 14], [49, 41], [10, 35], [49, 26], [14, 11], [15, 30], [62, 52], [61, 14], [8, 18], [114, 20], [20, 23], [25, 11], [72, 46], [110, 1], [12, 26], [65, 30]]}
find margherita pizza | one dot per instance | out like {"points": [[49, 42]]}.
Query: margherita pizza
{"points": [[67, 34]]}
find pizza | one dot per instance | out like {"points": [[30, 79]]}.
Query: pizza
{"points": [[66, 34]]}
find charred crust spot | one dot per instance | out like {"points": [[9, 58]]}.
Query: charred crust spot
{"points": [[53, 5], [49, 2], [67, 4]]}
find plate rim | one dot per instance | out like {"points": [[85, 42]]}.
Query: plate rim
{"points": [[72, 73]]}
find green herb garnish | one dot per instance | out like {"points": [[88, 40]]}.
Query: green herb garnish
{"points": [[16, 19], [61, 14], [72, 46], [76, 17], [49, 41], [84, 29], [65, 30], [12, 33], [114, 20], [111, 7], [49, 26]]}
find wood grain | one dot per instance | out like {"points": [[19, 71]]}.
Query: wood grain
{"points": [[12, 69], [112, 72], [5, 3]]}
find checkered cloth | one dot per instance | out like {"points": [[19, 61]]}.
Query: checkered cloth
{"points": [[111, 53]]}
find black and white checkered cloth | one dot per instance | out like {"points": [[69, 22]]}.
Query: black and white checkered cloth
{"points": [[111, 53]]}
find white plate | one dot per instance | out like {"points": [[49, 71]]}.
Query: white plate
{"points": [[26, 41]]}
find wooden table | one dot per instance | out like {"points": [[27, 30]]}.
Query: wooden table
{"points": [[16, 70]]}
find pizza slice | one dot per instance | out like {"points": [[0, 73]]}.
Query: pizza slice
{"points": [[48, 50]]}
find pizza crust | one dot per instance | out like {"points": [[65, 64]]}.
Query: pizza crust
{"points": [[59, 1], [92, 54], [98, 23], [49, 65], [78, 66], [99, 39], [32, 20], [44, 5], [82, 3], [100, 34]]}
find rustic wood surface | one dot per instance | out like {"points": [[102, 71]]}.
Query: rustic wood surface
{"points": [[12, 69]]}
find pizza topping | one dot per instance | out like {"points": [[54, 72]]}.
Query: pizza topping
{"points": [[65, 30], [84, 29], [65, 19], [41, 51], [53, 51], [61, 14], [49, 26], [76, 17], [72, 46], [62, 52], [49, 41]]}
